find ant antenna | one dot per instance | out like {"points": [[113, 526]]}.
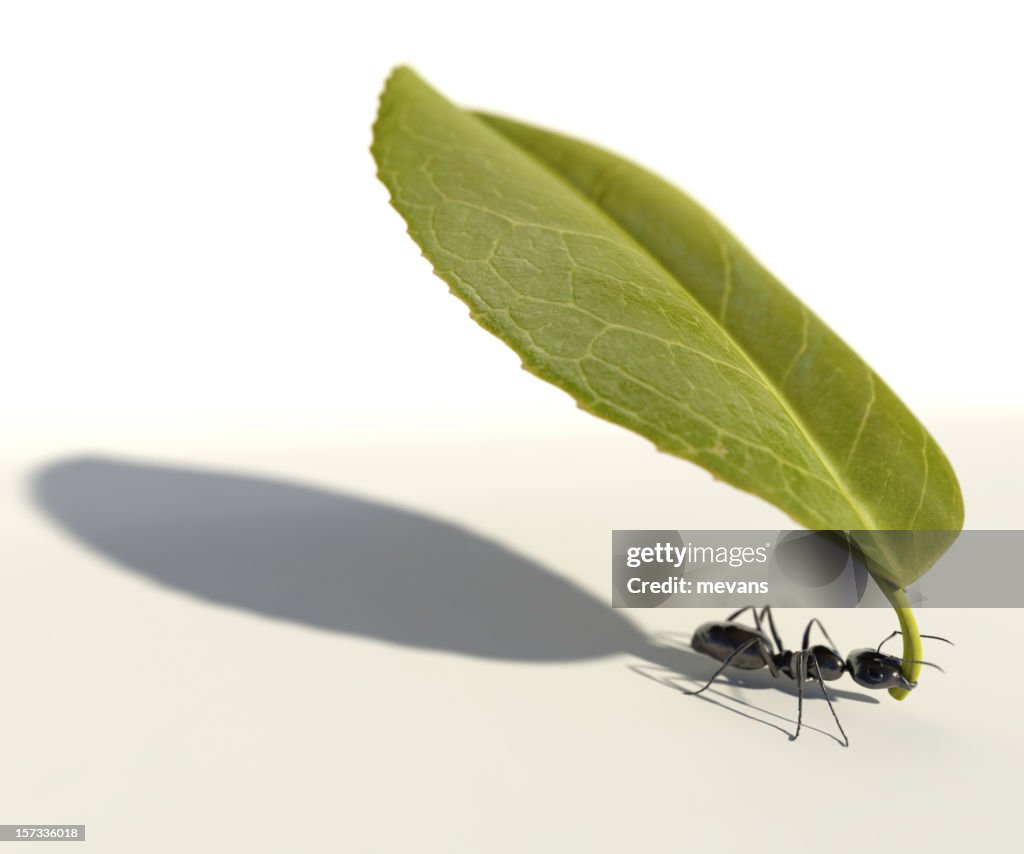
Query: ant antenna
{"points": [[918, 661], [898, 632]]}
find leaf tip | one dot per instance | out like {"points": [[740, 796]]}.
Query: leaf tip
{"points": [[394, 79]]}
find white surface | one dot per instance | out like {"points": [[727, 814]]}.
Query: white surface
{"points": [[137, 707]]}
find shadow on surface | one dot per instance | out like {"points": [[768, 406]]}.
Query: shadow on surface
{"points": [[657, 674], [691, 675], [329, 560], [345, 564], [683, 661]]}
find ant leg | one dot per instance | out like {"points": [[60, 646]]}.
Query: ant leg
{"points": [[898, 632], [743, 647], [767, 611], [752, 609], [817, 675], [735, 614], [801, 676], [807, 636]]}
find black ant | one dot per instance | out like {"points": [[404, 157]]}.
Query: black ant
{"points": [[751, 649]]}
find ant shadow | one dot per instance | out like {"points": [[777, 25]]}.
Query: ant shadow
{"points": [[678, 665], [346, 564]]}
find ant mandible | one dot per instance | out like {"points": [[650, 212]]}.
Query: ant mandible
{"points": [[751, 649]]}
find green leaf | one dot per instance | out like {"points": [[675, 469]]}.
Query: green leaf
{"points": [[619, 289]]}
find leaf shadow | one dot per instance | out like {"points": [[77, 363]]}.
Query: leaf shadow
{"points": [[328, 559]]}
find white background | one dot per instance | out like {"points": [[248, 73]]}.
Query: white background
{"points": [[198, 268], [194, 243]]}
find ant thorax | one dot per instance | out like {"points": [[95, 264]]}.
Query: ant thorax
{"points": [[819, 659]]}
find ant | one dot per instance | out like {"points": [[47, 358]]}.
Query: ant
{"points": [[751, 649]]}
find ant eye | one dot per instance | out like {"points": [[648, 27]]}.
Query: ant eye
{"points": [[875, 672]]}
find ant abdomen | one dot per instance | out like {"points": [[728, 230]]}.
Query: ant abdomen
{"points": [[745, 648]]}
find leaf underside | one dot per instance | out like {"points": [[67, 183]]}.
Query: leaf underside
{"points": [[619, 289]]}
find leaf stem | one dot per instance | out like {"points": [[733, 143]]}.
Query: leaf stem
{"points": [[912, 648]]}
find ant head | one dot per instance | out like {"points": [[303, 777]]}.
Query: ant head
{"points": [[872, 669]]}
